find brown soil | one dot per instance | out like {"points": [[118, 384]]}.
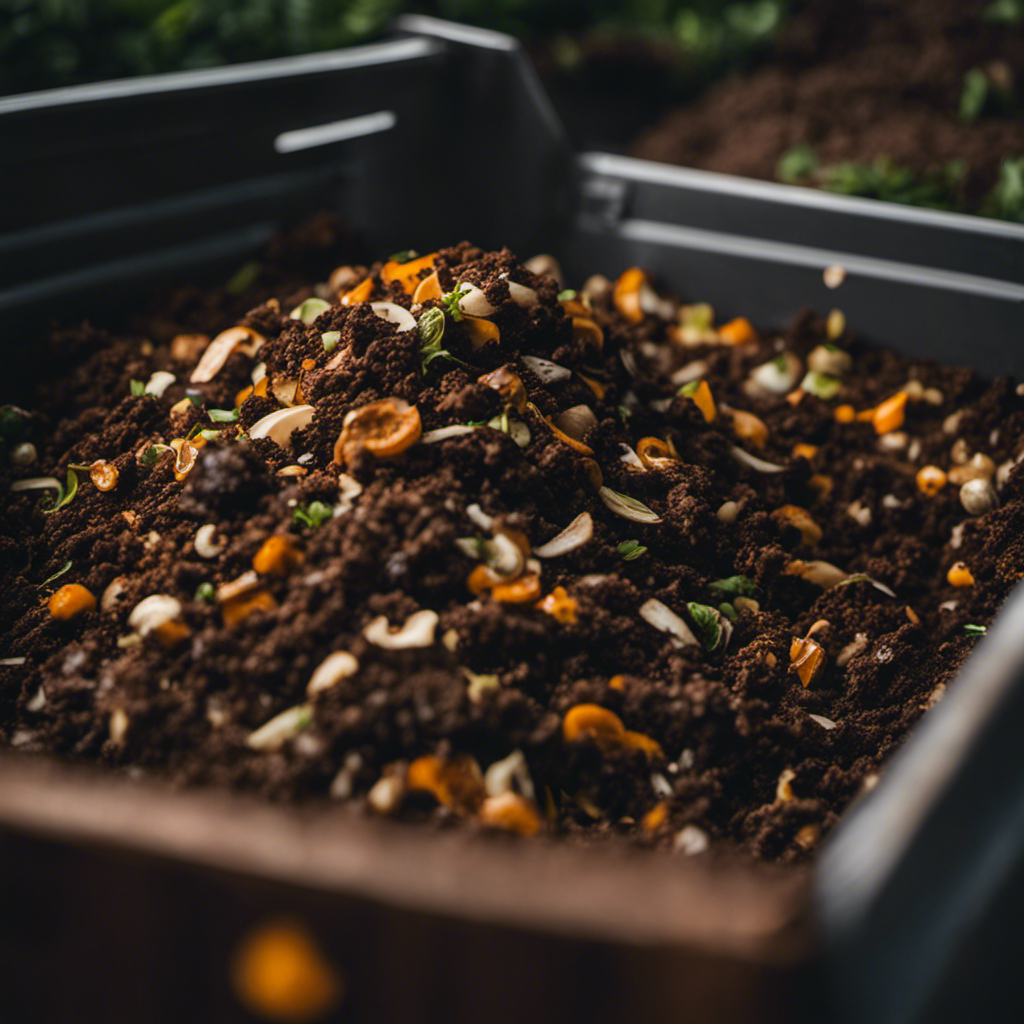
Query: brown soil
{"points": [[716, 729], [857, 80]]}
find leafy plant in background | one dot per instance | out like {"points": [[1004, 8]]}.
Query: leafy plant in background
{"points": [[1006, 200], [45, 43], [882, 178]]}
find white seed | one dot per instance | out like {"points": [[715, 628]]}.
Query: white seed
{"points": [[545, 263], [236, 588], [935, 696], [153, 612], [37, 483], [112, 594], [933, 396], [660, 785], [344, 782], [689, 373], [349, 488], [834, 275], [825, 723], [575, 535], [831, 361], [627, 507], [118, 726], [949, 606], [630, 457], [956, 536], [206, 542], [746, 604], [395, 314], [38, 701], [281, 728], [1003, 472], [217, 352], [478, 517], [860, 513], [159, 382], [978, 497], [520, 294], [753, 462], [509, 775], [576, 421], [596, 284], [418, 631], [729, 511], [914, 390], [894, 441], [778, 375], [24, 454], [335, 667], [386, 793], [474, 302], [690, 841], [914, 451], [152, 541], [993, 437], [951, 424], [446, 433], [662, 618], [891, 501], [824, 574], [281, 424]]}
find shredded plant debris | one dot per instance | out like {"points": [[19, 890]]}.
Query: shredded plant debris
{"points": [[534, 580]]}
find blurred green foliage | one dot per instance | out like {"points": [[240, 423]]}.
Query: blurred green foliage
{"points": [[46, 43], [1006, 200]]}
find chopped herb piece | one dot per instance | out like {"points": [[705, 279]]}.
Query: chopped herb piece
{"points": [[152, 454], [689, 390], [796, 164], [404, 256], [821, 385], [196, 429], [728, 611], [705, 619], [476, 423], [210, 435], [206, 592], [974, 95], [431, 328], [309, 310], [11, 423], [1007, 12], [624, 412], [137, 387], [630, 549], [65, 495], [737, 586], [195, 397], [972, 630], [224, 415], [56, 575], [567, 296], [451, 302], [244, 276], [330, 340], [1006, 200], [313, 515]]}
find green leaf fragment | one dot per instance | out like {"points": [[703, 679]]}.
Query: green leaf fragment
{"points": [[821, 385], [738, 586], [797, 164], [313, 515], [56, 575], [974, 95], [705, 619], [309, 310], [64, 496], [567, 296], [224, 415], [243, 278], [330, 340], [137, 388], [972, 630], [206, 593], [404, 256], [728, 611], [630, 549]]}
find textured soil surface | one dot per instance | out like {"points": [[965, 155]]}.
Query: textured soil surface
{"points": [[859, 80], [781, 683]]}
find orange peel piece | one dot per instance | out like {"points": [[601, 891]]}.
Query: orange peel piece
{"points": [[591, 721], [278, 556], [806, 659], [236, 609], [511, 812], [584, 329], [576, 446], [626, 294], [737, 332], [480, 331], [702, 398], [455, 781], [525, 590], [385, 428], [652, 450], [70, 601], [891, 414], [407, 274], [361, 293], [749, 428], [428, 288], [560, 606]]}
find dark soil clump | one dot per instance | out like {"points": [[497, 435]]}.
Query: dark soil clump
{"points": [[858, 81], [722, 662]]}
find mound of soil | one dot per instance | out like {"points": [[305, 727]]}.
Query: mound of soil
{"points": [[761, 593], [856, 81]]}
